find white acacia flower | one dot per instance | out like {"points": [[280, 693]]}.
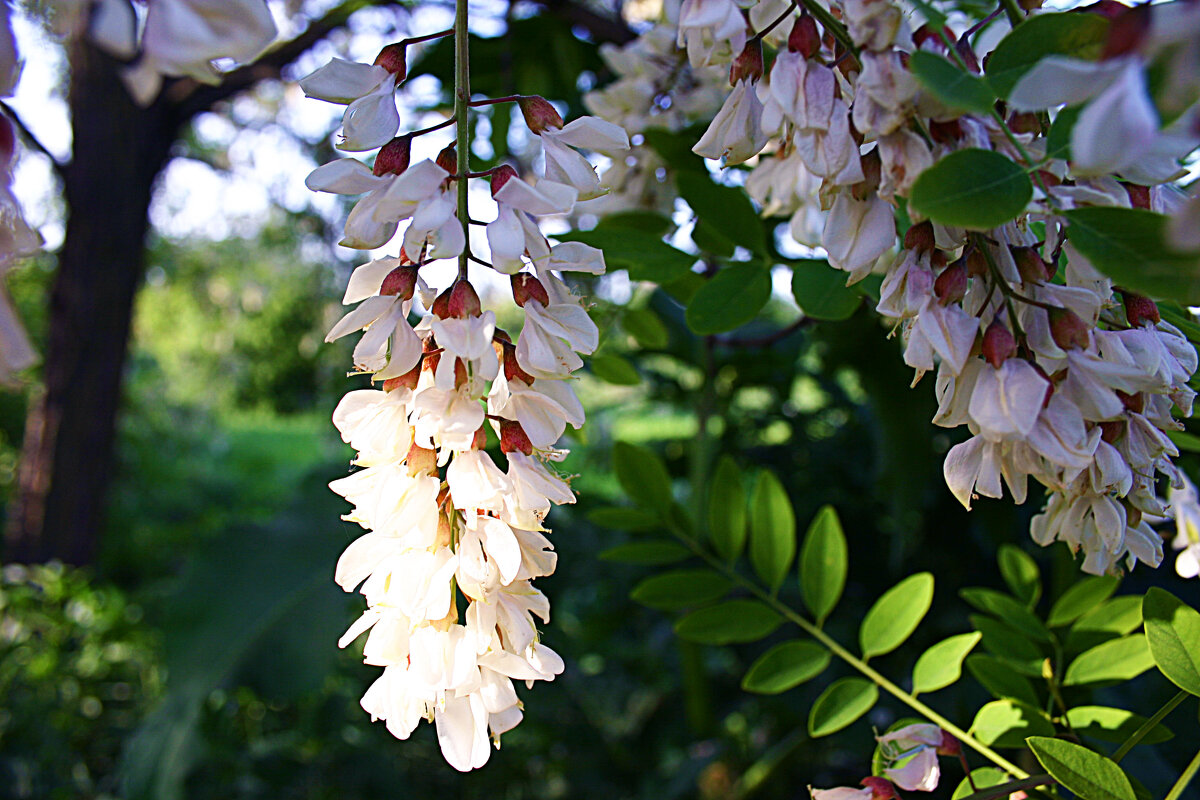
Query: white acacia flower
{"points": [[713, 31], [735, 133], [567, 166], [367, 91], [1185, 507], [799, 92], [857, 233]]}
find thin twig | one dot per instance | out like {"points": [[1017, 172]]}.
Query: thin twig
{"points": [[29, 138]]}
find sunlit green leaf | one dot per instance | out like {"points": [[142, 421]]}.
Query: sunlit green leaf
{"points": [[1085, 595], [1089, 775], [895, 615], [1118, 660], [842, 702], [1112, 724], [941, 665], [1006, 723], [1173, 630], [733, 297], [785, 666], [772, 530], [823, 563]]}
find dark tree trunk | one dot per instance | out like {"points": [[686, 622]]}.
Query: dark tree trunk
{"points": [[67, 460]]}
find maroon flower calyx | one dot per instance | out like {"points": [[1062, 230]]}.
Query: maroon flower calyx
{"points": [[932, 36], [881, 788], [500, 176], [1140, 310], [479, 440], [447, 159], [441, 306], [1127, 31], [950, 746], [421, 461], [394, 157], [394, 59], [1068, 329], [749, 63], [920, 237], [1134, 403], [951, 285], [804, 37], [512, 368], [513, 438], [1031, 266], [400, 282], [406, 381], [999, 345], [1139, 195], [539, 114], [526, 287], [1112, 430], [8, 142], [464, 300]]}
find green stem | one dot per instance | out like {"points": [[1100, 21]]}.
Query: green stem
{"points": [[1003, 789], [1148, 726], [1015, 15], [1189, 772], [462, 110], [831, 25], [853, 660]]}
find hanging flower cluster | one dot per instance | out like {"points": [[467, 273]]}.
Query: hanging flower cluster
{"points": [[454, 540], [1058, 375]]}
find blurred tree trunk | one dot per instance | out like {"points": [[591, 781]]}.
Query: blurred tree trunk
{"points": [[118, 150]]}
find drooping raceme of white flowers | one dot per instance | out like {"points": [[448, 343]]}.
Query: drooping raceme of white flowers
{"points": [[1058, 376], [454, 540]]}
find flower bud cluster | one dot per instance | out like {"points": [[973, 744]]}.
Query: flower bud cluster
{"points": [[455, 539], [1058, 376]]}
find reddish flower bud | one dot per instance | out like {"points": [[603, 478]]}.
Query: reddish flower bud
{"points": [[945, 132], [447, 159], [920, 237], [1132, 402], [421, 461], [1140, 310], [927, 35], [749, 63], [525, 287], [1030, 265], [406, 381], [963, 46], [441, 305], [804, 37], [1139, 196], [464, 301], [1112, 430], [539, 114], [1068, 329], [513, 438], [1127, 31], [512, 369], [881, 788], [393, 158], [1024, 122], [951, 285], [479, 441], [8, 142], [500, 176], [872, 168], [949, 746], [430, 354], [999, 345], [394, 59], [977, 265], [400, 282]]}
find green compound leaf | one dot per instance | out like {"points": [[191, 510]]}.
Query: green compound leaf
{"points": [[772, 530], [1113, 724], [642, 475], [615, 370], [1173, 630], [1001, 680], [1111, 662], [823, 563], [821, 291], [950, 85], [981, 778], [681, 588], [727, 510], [624, 519], [786, 666], [733, 297], [1129, 245], [1111, 619], [972, 188], [725, 209], [1089, 775], [645, 255], [842, 702], [731, 621], [1006, 723], [1011, 611], [1081, 598], [896, 615], [941, 665], [659, 551], [1076, 35], [1020, 573]]}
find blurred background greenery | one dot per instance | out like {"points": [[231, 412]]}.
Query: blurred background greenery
{"points": [[197, 656]]}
